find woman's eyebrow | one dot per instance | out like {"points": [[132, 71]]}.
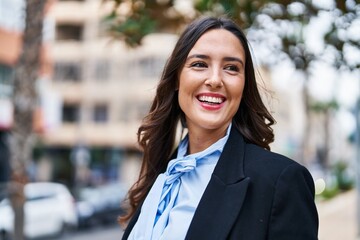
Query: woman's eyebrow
{"points": [[202, 56], [227, 59], [234, 59]]}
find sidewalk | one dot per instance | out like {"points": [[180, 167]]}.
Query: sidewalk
{"points": [[338, 220]]}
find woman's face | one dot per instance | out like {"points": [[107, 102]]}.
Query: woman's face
{"points": [[212, 80]]}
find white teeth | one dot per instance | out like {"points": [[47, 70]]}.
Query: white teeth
{"points": [[210, 99]]}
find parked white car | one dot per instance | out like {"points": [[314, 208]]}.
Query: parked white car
{"points": [[101, 204], [49, 209]]}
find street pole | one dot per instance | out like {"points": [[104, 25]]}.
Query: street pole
{"points": [[357, 138]]}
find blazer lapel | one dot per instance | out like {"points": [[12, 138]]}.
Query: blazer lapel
{"points": [[223, 197]]}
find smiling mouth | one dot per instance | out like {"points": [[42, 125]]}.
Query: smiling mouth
{"points": [[211, 100]]}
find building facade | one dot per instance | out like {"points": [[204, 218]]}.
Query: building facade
{"points": [[93, 92], [102, 90]]}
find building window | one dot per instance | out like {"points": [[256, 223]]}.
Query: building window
{"points": [[6, 74], [6, 79], [151, 66], [69, 32], [67, 71], [100, 113], [134, 111], [102, 70], [71, 113]]}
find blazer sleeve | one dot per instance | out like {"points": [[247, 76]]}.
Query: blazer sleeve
{"points": [[293, 214]]}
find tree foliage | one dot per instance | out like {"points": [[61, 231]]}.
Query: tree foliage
{"points": [[131, 20], [341, 36]]}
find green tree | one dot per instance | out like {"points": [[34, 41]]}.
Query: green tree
{"points": [[287, 24], [341, 37], [338, 41], [131, 20], [24, 102]]}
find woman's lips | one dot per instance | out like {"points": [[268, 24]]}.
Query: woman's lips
{"points": [[211, 101]]}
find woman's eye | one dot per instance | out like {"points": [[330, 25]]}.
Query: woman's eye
{"points": [[198, 65], [232, 68]]}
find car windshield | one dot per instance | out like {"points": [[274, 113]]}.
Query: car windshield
{"points": [[4, 202], [40, 191], [40, 197]]}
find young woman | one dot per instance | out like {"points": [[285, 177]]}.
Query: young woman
{"points": [[222, 181]]}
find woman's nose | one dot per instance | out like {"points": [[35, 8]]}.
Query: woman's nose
{"points": [[214, 80]]}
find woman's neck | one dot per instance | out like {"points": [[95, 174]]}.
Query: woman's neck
{"points": [[200, 139]]}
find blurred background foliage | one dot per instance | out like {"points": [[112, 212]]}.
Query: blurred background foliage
{"points": [[340, 181]]}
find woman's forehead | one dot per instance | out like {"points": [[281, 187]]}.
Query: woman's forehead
{"points": [[218, 41]]}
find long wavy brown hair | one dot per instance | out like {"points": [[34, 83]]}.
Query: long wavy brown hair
{"points": [[156, 135]]}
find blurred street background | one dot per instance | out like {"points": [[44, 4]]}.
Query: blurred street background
{"points": [[78, 76]]}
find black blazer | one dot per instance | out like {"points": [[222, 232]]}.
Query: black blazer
{"points": [[253, 194]]}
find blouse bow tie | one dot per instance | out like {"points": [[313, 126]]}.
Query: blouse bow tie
{"points": [[178, 167], [171, 184], [161, 199], [154, 217]]}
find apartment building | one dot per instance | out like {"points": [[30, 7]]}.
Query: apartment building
{"points": [[93, 92], [103, 90]]}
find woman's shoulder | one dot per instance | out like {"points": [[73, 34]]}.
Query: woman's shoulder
{"points": [[262, 162], [260, 153]]}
